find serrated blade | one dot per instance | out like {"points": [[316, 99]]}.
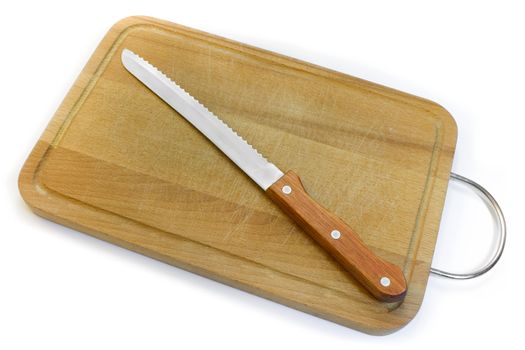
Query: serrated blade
{"points": [[232, 145]]}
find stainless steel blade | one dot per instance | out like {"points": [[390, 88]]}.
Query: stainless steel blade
{"points": [[228, 141]]}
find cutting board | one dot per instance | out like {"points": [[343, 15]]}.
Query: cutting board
{"points": [[117, 163]]}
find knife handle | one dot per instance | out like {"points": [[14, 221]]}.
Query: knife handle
{"points": [[385, 281]]}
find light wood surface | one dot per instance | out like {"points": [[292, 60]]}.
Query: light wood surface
{"points": [[383, 280], [119, 164]]}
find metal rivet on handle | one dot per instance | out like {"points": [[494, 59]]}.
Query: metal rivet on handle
{"points": [[287, 189], [385, 281], [335, 234]]}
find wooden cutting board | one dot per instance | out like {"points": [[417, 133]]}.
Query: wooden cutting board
{"points": [[118, 163]]}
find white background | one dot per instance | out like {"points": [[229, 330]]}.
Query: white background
{"points": [[60, 289]]}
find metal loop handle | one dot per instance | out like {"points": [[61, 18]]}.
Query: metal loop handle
{"points": [[497, 214]]}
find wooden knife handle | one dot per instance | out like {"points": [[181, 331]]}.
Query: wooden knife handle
{"points": [[384, 280]]}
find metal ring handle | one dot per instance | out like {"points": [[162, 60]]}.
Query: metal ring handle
{"points": [[497, 214]]}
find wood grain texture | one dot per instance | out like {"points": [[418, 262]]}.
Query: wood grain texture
{"points": [[119, 164], [346, 247]]}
